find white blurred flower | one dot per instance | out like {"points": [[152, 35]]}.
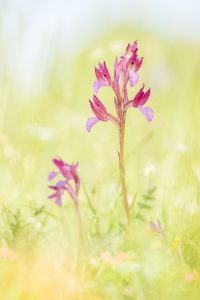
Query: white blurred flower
{"points": [[149, 169], [31, 220], [97, 53], [130, 199], [93, 261], [41, 132], [117, 46], [38, 225], [34, 221], [182, 148], [192, 208]]}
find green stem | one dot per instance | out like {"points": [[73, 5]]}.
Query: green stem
{"points": [[79, 219], [80, 247]]}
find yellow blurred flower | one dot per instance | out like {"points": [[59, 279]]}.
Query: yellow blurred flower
{"points": [[176, 242]]}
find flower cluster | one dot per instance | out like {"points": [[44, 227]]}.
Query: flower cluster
{"points": [[70, 181], [125, 70]]}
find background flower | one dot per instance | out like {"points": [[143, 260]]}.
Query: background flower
{"points": [[71, 182]]}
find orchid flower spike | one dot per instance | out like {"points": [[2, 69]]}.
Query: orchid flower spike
{"points": [[126, 69]]}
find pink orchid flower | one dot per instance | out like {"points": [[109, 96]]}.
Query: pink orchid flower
{"points": [[71, 182], [58, 189], [100, 112], [103, 77], [67, 170], [125, 70], [138, 101]]}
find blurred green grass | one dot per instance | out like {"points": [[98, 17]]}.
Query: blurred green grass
{"points": [[165, 155]]}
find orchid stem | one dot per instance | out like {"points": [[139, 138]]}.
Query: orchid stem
{"points": [[81, 236], [122, 172], [79, 219]]}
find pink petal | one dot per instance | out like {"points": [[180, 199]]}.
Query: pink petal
{"points": [[58, 201], [98, 84], [147, 112], [134, 77], [99, 109], [145, 97], [61, 183], [52, 196], [91, 122], [59, 163], [52, 175]]}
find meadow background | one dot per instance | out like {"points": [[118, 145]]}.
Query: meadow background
{"points": [[47, 57]]}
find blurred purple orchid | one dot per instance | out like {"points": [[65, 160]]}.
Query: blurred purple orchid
{"points": [[59, 189], [71, 182], [68, 171], [125, 70]]}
